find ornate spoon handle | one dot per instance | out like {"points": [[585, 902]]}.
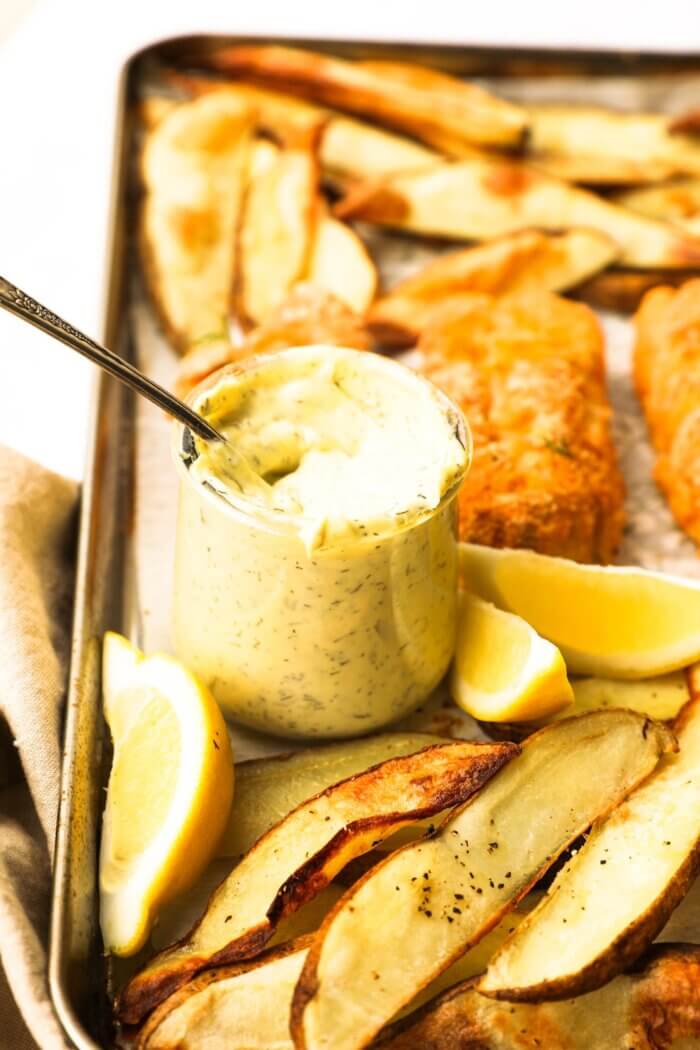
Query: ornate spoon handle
{"points": [[22, 305]]}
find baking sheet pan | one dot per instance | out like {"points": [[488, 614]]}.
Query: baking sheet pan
{"points": [[127, 521]]}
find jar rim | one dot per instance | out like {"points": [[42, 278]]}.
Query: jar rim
{"points": [[283, 521]]}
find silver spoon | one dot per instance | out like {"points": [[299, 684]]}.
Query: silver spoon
{"points": [[15, 300]]}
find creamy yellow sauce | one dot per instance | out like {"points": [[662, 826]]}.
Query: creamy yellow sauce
{"points": [[316, 567], [344, 443]]}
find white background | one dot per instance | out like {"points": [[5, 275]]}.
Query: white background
{"points": [[59, 66]]}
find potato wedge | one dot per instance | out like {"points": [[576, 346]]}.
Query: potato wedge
{"points": [[595, 145], [267, 789], [341, 264], [481, 198], [611, 899], [277, 230], [677, 202], [449, 140], [660, 698], [193, 167], [474, 962], [242, 1007], [427, 104], [655, 1008], [423, 907], [349, 150], [517, 263], [305, 851], [246, 1006]]}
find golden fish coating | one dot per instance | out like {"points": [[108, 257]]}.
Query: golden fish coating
{"points": [[529, 374], [667, 375]]}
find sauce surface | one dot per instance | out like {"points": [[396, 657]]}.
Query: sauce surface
{"points": [[316, 575], [345, 443]]}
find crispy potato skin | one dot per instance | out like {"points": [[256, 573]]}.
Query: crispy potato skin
{"points": [[435, 779], [667, 376], [651, 1009], [529, 375], [436, 108], [269, 788]]}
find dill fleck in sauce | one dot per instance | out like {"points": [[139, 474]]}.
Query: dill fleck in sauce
{"points": [[316, 576]]}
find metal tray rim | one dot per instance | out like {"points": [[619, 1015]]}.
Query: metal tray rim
{"points": [[60, 999], [59, 993]]}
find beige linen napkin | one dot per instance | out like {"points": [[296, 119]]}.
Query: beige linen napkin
{"points": [[37, 526]]}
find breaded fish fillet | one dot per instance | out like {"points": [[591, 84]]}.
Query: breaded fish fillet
{"points": [[528, 371], [667, 374]]}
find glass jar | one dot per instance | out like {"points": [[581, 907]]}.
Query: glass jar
{"points": [[311, 642]]}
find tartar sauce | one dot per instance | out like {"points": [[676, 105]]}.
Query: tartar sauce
{"points": [[316, 566]]}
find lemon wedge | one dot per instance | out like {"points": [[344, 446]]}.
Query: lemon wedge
{"points": [[169, 792], [608, 621], [503, 671]]}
